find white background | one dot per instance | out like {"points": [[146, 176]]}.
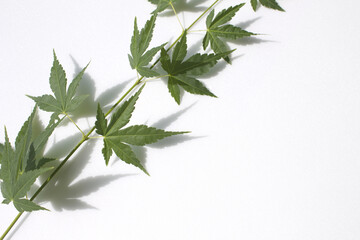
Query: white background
{"points": [[275, 156]]}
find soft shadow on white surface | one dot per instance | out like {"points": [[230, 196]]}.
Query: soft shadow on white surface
{"points": [[185, 6], [65, 190], [87, 87]]}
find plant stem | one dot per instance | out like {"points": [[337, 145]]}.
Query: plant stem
{"points": [[86, 136], [74, 123], [177, 16]]}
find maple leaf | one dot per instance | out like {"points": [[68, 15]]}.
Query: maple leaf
{"points": [[266, 3], [16, 182], [162, 4], [20, 166], [64, 100], [217, 30], [139, 59], [181, 73], [116, 139]]}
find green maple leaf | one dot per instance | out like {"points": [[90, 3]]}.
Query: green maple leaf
{"points": [[266, 3], [140, 41], [181, 73], [64, 100], [20, 166], [162, 4], [116, 139], [216, 30], [15, 182]]}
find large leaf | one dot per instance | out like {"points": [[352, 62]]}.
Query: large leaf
{"points": [[64, 100], [115, 137], [217, 30], [140, 41], [181, 72]]}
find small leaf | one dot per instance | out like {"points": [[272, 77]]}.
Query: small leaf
{"points": [[107, 152], [64, 101], [254, 4], [210, 18], [125, 153], [271, 4], [141, 135], [140, 58], [101, 122], [26, 205], [174, 89], [216, 29], [122, 116]]}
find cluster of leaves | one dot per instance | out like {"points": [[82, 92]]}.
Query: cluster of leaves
{"points": [[116, 137], [20, 166]]}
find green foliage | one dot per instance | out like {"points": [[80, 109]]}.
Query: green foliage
{"points": [[115, 138], [266, 3], [181, 73], [161, 5], [20, 166], [140, 41], [217, 30], [64, 101]]}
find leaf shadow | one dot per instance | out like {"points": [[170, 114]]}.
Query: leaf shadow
{"points": [[185, 6], [65, 190], [87, 87]]}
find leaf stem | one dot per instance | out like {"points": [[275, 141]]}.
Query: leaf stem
{"points": [[86, 136], [177, 16], [74, 123]]}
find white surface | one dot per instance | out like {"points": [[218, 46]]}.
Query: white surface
{"points": [[276, 156]]}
